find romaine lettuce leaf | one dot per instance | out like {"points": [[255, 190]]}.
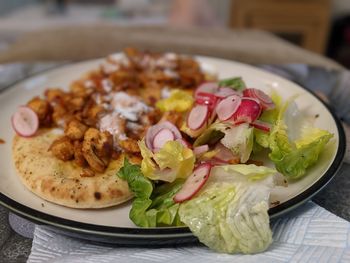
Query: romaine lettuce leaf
{"points": [[235, 83], [270, 116], [172, 161], [179, 101], [212, 134], [230, 213], [152, 206], [293, 156], [237, 138]]}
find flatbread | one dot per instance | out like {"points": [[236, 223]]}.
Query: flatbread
{"points": [[61, 182]]}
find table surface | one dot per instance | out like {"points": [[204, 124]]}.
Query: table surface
{"points": [[335, 197]]}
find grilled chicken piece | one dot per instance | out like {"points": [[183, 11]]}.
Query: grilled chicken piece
{"points": [[55, 95], [62, 149], [78, 154], [75, 130], [40, 107], [94, 144], [129, 145], [78, 90], [104, 145]]}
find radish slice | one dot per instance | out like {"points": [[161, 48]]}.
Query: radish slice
{"points": [[153, 130], [224, 92], [227, 107], [224, 154], [248, 111], [205, 98], [197, 117], [208, 87], [184, 143], [163, 136], [264, 126], [193, 183], [264, 99], [25, 121], [200, 149]]}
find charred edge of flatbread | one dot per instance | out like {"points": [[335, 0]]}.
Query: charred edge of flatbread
{"points": [[60, 182]]}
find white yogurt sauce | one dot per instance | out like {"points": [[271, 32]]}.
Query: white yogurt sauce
{"points": [[125, 107], [129, 107]]}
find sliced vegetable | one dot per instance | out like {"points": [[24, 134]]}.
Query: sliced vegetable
{"points": [[248, 111], [264, 99], [208, 99], [224, 92], [25, 121], [200, 149], [228, 107], [193, 183], [225, 155], [197, 117], [162, 137], [207, 87], [155, 129], [261, 125]]}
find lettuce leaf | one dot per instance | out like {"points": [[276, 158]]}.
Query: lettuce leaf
{"points": [[212, 134], [178, 100], [235, 83], [230, 214], [293, 156], [171, 162], [152, 206], [270, 116], [238, 138]]}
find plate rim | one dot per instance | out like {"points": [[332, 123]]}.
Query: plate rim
{"points": [[169, 232]]}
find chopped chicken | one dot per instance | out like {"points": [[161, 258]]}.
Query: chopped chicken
{"points": [[75, 130], [62, 148]]}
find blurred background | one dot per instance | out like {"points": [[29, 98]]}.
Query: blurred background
{"points": [[321, 26]]}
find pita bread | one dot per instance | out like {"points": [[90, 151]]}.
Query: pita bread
{"points": [[60, 182]]}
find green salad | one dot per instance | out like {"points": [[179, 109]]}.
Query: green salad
{"points": [[204, 175]]}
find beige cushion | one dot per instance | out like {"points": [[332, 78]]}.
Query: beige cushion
{"points": [[78, 43]]}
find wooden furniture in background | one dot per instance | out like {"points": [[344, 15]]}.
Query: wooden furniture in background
{"points": [[304, 22]]}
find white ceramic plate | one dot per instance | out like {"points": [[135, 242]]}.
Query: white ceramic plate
{"points": [[114, 222]]}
